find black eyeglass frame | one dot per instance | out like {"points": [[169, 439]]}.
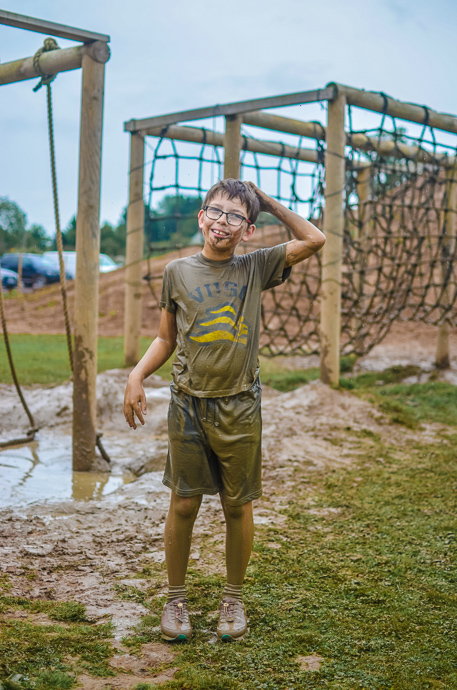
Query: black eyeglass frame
{"points": [[227, 213]]}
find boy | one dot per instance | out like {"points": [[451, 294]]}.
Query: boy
{"points": [[211, 313]]}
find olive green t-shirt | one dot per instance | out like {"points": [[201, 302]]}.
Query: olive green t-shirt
{"points": [[217, 306]]}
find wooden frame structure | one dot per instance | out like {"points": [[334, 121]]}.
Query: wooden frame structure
{"points": [[91, 57], [336, 139]]}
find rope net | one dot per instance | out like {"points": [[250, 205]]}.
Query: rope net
{"points": [[399, 245]]}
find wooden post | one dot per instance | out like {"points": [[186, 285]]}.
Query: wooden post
{"points": [[134, 253], [87, 268], [232, 146], [330, 323], [442, 358], [361, 230]]}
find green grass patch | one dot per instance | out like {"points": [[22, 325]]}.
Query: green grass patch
{"points": [[367, 580], [43, 359], [407, 404], [40, 656], [273, 373]]}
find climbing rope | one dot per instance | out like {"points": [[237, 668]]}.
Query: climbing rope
{"points": [[33, 428]]}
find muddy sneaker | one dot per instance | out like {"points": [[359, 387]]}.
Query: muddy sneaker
{"points": [[233, 623], [175, 624]]}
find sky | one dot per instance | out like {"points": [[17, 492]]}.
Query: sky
{"points": [[185, 54]]}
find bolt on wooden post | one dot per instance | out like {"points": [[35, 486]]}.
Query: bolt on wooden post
{"points": [[330, 321], [134, 253], [232, 146], [442, 357], [87, 268]]}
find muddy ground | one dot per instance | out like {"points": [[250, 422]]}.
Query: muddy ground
{"points": [[91, 551]]}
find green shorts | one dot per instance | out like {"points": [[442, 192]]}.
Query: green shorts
{"points": [[215, 445]]}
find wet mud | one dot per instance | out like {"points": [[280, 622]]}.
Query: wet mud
{"points": [[66, 536]]}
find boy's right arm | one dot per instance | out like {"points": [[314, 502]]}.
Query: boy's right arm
{"points": [[158, 353]]}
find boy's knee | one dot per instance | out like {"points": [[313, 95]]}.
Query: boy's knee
{"points": [[186, 507], [237, 512]]}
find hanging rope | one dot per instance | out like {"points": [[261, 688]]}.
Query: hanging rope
{"points": [[33, 428]]}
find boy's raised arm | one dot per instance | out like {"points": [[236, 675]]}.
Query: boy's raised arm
{"points": [[157, 354], [308, 239]]}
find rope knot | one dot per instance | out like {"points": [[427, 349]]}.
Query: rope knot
{"points": [[49, 45]]}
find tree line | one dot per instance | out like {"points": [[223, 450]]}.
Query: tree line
{"points": [[173, 221]]}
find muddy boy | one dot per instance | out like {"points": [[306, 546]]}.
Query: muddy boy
{"points": [[211, 321]]}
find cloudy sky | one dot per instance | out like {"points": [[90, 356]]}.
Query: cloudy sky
{"points": [[192, 53]]}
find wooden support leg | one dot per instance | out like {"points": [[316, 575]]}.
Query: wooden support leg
{"points": [[330, 324], [87, 269], [442, 357], [134, 253], [232, 146]]}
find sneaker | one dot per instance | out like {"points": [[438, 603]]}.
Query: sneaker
{"points": [[175, 624], [233, 623]]}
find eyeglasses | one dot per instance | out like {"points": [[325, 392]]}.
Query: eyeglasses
{"points": [[232, 218]]}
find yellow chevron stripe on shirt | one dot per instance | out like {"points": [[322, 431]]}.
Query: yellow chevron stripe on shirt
{"points": [[226, 308], [219, 335], [220, 319]]}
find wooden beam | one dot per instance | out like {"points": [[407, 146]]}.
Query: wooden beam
{"points": [[314, 130], [87, 265], [277, 123], [370, 100], [134, 253], [53, 62], [230, 109], [330, 321], [200, 136], [21, 21]]}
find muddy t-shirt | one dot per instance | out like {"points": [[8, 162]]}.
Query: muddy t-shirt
{"points": [[217, 306]]}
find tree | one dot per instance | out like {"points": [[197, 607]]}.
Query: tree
{"points": [[13, 223], [174, 220], [112, 239], [38, 239]]}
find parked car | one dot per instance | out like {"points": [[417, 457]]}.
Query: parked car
{"points": [[106, 263], [9, 279], [69, 259], [36, 271]]}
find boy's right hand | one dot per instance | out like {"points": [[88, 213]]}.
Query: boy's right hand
{"points": [[134, 401]]}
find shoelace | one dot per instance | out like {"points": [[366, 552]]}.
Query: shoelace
{"points": [[180, 612], [228, 610]]}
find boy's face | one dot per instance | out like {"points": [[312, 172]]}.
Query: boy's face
{"points": [[222, 238]]}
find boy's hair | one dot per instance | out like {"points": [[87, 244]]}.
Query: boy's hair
{"points": [[236, 189]]}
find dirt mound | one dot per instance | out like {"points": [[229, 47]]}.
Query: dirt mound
{"points": [[41, 311]]}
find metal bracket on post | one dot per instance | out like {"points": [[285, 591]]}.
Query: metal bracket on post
{"points": [[330, 324]]}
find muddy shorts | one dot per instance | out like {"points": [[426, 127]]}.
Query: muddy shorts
{"points": [[215, 445]]}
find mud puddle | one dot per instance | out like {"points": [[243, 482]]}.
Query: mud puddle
{"points": [[42, 471]]}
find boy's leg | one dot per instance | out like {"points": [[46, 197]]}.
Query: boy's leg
{"points": [[238, 546], [178, 536], [240, 536], [175, 624]]}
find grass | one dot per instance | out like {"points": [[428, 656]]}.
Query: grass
{"points": [[367, 581], [43, 655], [409, 404], [43, 359]]}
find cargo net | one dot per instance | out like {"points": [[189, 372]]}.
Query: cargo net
{"points": [[399, 249]]}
